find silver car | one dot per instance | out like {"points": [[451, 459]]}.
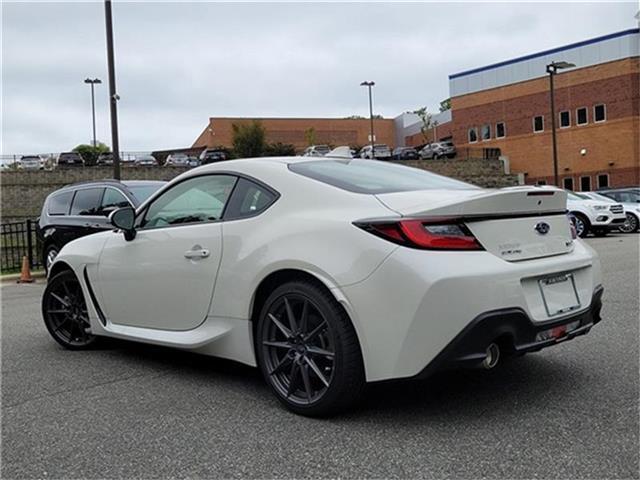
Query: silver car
{"points": [[437, 150]]}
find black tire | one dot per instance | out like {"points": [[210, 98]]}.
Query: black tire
{"points": [[48, 255], [64, 311], [578, 219], [312, 364], [631, 225]]}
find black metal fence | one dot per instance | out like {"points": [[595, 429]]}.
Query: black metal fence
{"points": [[16, 241]]}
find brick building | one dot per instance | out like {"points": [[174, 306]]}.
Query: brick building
{"points": [[296, 131], [506, 106]]}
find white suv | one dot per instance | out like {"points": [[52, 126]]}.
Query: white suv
{"points": [[380, 152], [597, 217], [316, 151], [631, 211]]}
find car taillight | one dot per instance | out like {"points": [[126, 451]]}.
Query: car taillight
{"points": [[428, 234]]}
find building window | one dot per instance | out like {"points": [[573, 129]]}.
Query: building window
{"points": [[541, 182], [565, 119], [486, 132], [599, 113], [568, 183], [603, 180], [585, 184], [500, 130], [473, 135], [582, 117], [538, 123]]}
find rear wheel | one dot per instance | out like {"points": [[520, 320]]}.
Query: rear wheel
{"points": [[580, 223], [65, 312], [630, 225], [308, 350]]}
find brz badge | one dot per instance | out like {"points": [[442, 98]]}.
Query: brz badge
{"points": [[542, 228]]}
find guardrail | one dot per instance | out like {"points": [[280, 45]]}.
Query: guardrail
{"points": [[18, 239]]}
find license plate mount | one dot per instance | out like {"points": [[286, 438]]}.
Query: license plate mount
{"points": [[559, 294]]}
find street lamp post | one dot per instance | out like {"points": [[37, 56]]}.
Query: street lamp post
{"points": [[113, 96], [93, 82], [552, 70], [369, 85]]}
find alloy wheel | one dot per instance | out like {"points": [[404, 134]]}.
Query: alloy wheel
{"points": [[51, 255], [298, 349], [65, 312], [579, 225], [630, 225]]}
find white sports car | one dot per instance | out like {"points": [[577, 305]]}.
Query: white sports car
{"points": [[330, 273]]}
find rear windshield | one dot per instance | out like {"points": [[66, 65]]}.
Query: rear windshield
{"points": [[370, 176]]}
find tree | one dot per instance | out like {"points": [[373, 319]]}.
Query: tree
{"points": [[89, 153], [445, 105], [310, 136], [248, 139], [279, 149], [427, 123]]}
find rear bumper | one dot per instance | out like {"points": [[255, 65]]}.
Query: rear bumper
{"points": [[516, 332]]}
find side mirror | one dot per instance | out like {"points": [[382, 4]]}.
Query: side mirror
{"points": [[124, 218]]}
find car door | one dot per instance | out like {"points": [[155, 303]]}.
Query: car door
{"points": [[164, 278], [84, 214]]}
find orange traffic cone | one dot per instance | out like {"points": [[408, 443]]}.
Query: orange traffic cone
{"points": [[25, 274]]}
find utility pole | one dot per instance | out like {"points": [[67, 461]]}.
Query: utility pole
{"points": [[552, 70], [113, 96], [369, 85], [93, 82]]}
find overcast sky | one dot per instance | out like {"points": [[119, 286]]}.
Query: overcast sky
{"points": [[178, 64]]}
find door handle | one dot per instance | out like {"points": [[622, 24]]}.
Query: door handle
{"points": [[197, 252]]}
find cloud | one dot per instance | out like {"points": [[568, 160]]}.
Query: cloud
{"points": [[180, 63]]}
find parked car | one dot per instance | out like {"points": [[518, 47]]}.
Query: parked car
{"points": [[438, 150], [328, 274], [82, 208], [405, 153], [212, 155], [381, 152], [193, 162], [146, 161], [69, 159], [593, 216], [105, 159], [30, 162], [177, 160], [631, 209], [622, 195], [316, 151]]}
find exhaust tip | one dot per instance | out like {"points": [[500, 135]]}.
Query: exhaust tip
{"points": [[493, 356]]}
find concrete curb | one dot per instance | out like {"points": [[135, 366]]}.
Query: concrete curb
{"points": [[14, 277]]}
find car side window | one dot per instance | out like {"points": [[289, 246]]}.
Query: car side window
{"points": [[59, 203], [196, 200], [87, 201], [112, 200], [248, 199]]}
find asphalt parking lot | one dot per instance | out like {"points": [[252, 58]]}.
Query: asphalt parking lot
{"points": [[130, 410]]}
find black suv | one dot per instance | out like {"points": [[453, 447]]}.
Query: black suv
{"points": [[83, 208], [212, 155]]}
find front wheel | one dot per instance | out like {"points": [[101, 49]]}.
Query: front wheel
{"points": [[580, 223], [50, 254], [630, 225], [308, 350], [64, 311]]}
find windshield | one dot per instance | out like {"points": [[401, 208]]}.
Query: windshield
{"points": [[142, 192], [370, 176], [602, 198], [577, 196]]}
